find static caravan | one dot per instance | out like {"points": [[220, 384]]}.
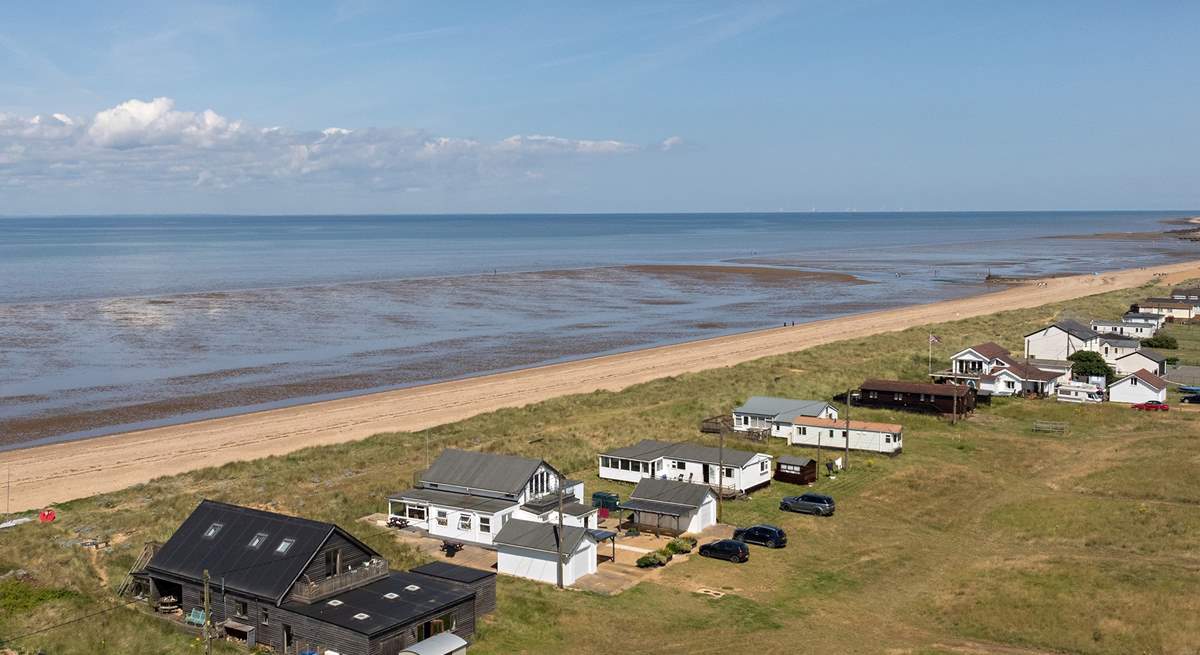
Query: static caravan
{"points": [[743, 471], [1079, 392], [773, 414], [1173, 310], [862, 435]]}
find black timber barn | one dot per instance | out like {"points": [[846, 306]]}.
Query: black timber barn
{"points": [[947, 399], [297, 585]]}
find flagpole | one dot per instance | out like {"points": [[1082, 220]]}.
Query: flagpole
{"points": [[931, 353]]}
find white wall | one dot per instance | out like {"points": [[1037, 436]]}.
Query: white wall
{"points": [[1136, 363], [1053, 343], [452, 530], [540, 566], [1132, 390], [860, 439], [702, 518]]}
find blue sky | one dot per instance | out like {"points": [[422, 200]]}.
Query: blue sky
{"points": [[363, 106]]}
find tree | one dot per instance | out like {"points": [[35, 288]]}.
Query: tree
{"points": [[1085, 363], [1161, 341]]}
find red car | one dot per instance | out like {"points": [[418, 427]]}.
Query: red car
{"points": [[1152, 406]]}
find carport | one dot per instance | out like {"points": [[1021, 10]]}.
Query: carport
{"points": [[656, 510]]}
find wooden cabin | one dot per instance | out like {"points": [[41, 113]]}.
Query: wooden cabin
{"points": [[947, 399], [796, 470]]}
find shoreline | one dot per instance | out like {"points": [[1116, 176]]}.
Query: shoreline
{"points": [[48, 474]]}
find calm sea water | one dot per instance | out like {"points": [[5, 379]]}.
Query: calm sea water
{"points": [[107, 322]]}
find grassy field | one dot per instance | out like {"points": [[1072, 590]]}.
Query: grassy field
{"points": [[983, 537]]}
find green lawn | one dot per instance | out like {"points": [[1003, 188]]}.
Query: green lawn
{"points": [[982, 537]]}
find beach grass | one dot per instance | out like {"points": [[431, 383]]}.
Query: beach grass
{"points": [[983, 535]]}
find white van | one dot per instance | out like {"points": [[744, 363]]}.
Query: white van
{"points": [[1079, 392]]}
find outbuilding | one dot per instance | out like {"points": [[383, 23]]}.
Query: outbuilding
{"points": [[796, 470], [951, 399], [1150, 360], [527, 549], [1138, 387], [671, 506]]}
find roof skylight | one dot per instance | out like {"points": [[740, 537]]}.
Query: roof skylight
{"points": [[334, 603], [213, 530], [257, 540], [284, 546], [362, 617]]}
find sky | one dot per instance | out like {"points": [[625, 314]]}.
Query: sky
{"points": [[404, 107]]}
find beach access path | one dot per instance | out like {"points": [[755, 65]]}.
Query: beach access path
{"points": [[48, 474]]}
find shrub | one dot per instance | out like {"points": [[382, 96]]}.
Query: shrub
{"points": [[652, 559], [681, 545], [1161, 341], [1172, 361]]}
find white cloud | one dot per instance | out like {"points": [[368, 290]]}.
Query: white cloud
{"points": [[150, 146], [671, 142]]}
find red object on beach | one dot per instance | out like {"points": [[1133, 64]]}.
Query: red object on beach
{"points": [[47, 516]]}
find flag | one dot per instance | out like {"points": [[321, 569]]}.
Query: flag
{"points": [[934, 338]]}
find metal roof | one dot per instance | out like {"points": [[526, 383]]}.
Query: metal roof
{"points": [[539, 536], [431, 596], [772, 406], [793, 460], [1152, 355], [1142, 315], [648, 450], [655, 507], [261, 572], [1076, 329], [452, 499], [487, 471], [670, 491], [549, 503], [442, 643]]}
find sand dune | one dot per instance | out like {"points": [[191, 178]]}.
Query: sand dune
{"points": [[55, 473]]}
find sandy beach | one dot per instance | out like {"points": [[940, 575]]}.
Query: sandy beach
{"points": [[59, 472]]}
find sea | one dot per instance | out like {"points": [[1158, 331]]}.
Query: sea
{"points": [[111, 323]]}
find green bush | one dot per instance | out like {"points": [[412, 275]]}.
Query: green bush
{"points": [[1161, 341], [655, 558], [681, 545]]}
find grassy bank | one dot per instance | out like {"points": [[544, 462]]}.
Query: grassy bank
{"points": [[983, 535]]}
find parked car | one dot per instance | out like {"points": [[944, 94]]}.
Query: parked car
{"points": [[1194, 398], [818, 504], [1152, 406], [764, 535], [734, 551]]}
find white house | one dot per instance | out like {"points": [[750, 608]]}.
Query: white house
{"points": [[468, 496], [672, 506], [1060, 340], [970, 364], [1145, 318], [1137, 360], [831, 433], [528, 549], [1138, 387], [993, 371], [1173, 310], [770, 413], [1129, 329], [744, 470], [1015, 378], [1113, 348]]}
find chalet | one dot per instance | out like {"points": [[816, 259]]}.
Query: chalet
{"points": [[769, 413], [1138, 387], [1113, 347], [529, 549], [1127, 329], [993, 371], [467, 496], [1186, 293], [296, 585], [1016, 378], [796, 470], [744, 471], [1150, 360], [862, 435], [1060, 340], [671, 506], [951, 399], [1171, 309], [1154, 320]]}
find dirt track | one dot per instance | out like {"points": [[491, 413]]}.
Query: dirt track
{"points": [[55, 473]]}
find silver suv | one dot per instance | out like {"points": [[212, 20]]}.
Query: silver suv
{"points": [[818, 504]]}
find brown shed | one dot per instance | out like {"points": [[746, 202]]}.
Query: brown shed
{"points": [[796, 470]]}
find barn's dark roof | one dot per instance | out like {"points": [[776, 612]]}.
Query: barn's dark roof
{"points": [[539, 536], [260, 572], [453, 572], [670, 491], [650, 449], [431, 597], [485, 471], [900, 386], [793, 460]]}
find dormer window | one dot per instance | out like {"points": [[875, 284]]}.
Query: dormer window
{"points": [[258, 540], [212, 530], [284, 546]]}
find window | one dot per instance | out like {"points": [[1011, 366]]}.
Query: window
{"points": [[887, 439], [284, 546], [415, 512], [464, 521], [266, 617], [606, 462], [728, 472], [443, 519], [872, 394], [213, 530], [845, 434], [257, 540], [763, 466], [333, 562], [239, 608], [485, 524], [898, 396], [676, 464], [803, 431]]}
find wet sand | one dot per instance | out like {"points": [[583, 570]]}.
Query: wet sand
{"points": [[59, 472]]}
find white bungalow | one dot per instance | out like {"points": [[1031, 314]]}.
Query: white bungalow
{"points": [[862, 435], [1015, 378], [744, 470], [1128, 329], [528, 549], [1156, 321], [1137, 360], [1138, 387], [1113, 348], [1060, 340], [967, 366], [672, 506], [1173, 310], [770, 413], [992, 370], [468, 496]]}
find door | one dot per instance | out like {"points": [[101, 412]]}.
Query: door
{"points": [[391, 645], [287, 638], [706, 476]]}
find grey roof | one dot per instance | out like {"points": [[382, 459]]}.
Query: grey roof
{"points": [[451, 499], [539, 536], [549, 503], [793, 460], [1152, 355], [259, 572], [476, 470], [1043, 363], [385, 614], [1073, 328], [453, 572], [656, 507], [648, 450], [443, 643], [1120, 342], [772, 406], [1141, 315], [670, 491]]}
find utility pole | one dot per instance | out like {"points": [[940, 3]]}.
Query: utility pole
{"points": [[207, 616], [558, 537], [954, 411], [720, 475], [818, 454], [847, 429]]}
